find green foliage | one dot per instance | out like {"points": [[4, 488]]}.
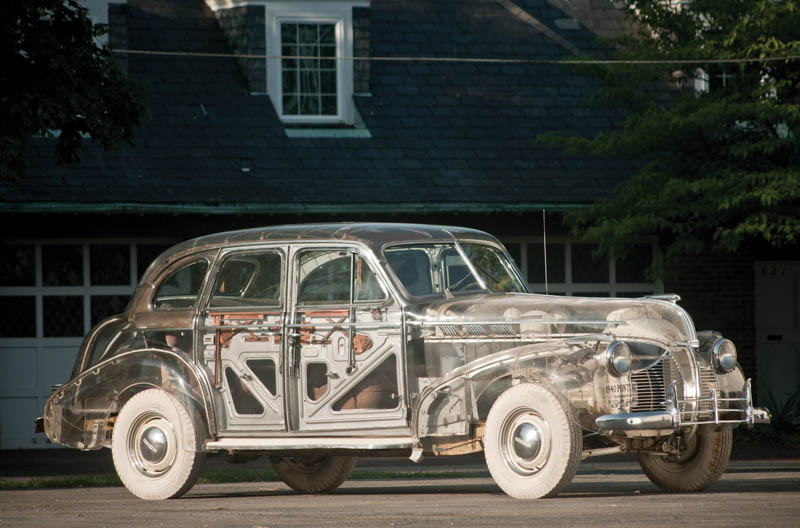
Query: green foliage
{"points": [[57, 80], [720, 168]]}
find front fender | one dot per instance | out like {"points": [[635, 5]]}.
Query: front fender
{"points": [[462, 397], [80, 414]]}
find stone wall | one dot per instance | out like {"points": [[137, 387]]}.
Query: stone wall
{"points": [[245, 30], [361, 68]]}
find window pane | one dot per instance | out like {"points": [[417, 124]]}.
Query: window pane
{"points": [[110, 265], [366, 287], [632, 268], [326, 34], [146, 254], [328, 82], [18, 316], [413, 268], [291, 105], [309, 82], [324, 276], [585, 268], [249, 279], [307, 33], [378, 390], [328, 105], [289, 82], [288, 32], [17, 265], [493, 267], [309, 105], [62, 265], [63, 315], [180, 289], [555, 263], [310, 41], [103, 306], [289, 51]]}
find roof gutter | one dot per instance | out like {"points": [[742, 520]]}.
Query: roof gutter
{"points": [[284, 208]]}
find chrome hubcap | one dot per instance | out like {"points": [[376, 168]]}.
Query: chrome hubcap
{"points": [[152, 445], [525, 442]]}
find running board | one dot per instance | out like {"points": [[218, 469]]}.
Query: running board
{"points": [[311, 442]]}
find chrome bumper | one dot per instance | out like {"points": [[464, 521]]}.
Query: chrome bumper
{"points": [[674, 418]]}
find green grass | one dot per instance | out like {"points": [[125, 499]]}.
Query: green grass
{"points": [[224, 475]]}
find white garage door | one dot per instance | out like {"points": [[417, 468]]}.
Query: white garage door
{"points": [[51, 294]]}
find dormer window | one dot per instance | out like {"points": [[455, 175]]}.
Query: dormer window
{"points": [[310, 84]]}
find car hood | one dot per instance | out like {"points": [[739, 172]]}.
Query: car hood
{"points": [[642, 318]]}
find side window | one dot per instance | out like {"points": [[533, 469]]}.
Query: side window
{"points": [[413, 268], [334, 276], [249, 279], [180, 289], [366, 286]]}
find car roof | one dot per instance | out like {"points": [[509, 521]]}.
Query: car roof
{"points": [[373, 235]]}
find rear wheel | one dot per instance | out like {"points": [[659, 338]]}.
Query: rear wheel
{"points": [[313, 474], [699, 465], [154, 446], [532, 443]]}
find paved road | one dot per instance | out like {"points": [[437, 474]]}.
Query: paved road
{"points": [[758, 493]]}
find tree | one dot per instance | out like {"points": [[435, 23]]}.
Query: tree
{"points": [[719, 141], [57, 80]]}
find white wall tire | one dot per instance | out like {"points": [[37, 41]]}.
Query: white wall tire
{"points": [[149, 446], [699, 466], [532, 442], [313, 474]]}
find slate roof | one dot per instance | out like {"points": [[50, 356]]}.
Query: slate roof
{"points": [[445, 136]]}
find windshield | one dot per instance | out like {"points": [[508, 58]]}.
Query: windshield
{"points": [[494, 268], [426, 269]]}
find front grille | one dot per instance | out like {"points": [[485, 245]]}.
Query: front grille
{"points": [[648, 388], [708, 381]]}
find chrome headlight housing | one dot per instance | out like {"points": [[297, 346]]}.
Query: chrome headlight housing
{"points": [[618, 358], [723, 354]]}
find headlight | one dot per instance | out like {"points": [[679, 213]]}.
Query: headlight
{"points": [[618, 358], [723, 352]]}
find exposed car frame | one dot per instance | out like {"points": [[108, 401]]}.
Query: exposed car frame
{"points": [[314, 344]]}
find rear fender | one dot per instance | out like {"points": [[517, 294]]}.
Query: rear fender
{"points": [[81, 413]]}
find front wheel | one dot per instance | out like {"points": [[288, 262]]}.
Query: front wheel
{"points": [[313, 474], [699, 464], [155, 446], [532, 442]]}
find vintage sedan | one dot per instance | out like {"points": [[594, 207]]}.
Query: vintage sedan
{"points": [[313, 344]]}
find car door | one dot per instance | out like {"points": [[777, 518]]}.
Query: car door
{"points": [[344, 360], [243, 338]]}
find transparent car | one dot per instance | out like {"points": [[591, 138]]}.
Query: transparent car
{"points": [[315, 344]]}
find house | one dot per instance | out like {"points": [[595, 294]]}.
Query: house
{"points": [[251, 139]]}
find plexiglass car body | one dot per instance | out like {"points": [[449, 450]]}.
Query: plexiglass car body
{"points": [[313, 344]]}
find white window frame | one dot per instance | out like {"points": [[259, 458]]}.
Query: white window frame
{"points": [[301, 12], [568, 287]]}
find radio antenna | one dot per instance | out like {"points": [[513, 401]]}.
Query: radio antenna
{"points": [[544, 245]]}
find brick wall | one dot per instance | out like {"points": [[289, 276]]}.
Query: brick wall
{"points": [[245, 30], [718, 291]]}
